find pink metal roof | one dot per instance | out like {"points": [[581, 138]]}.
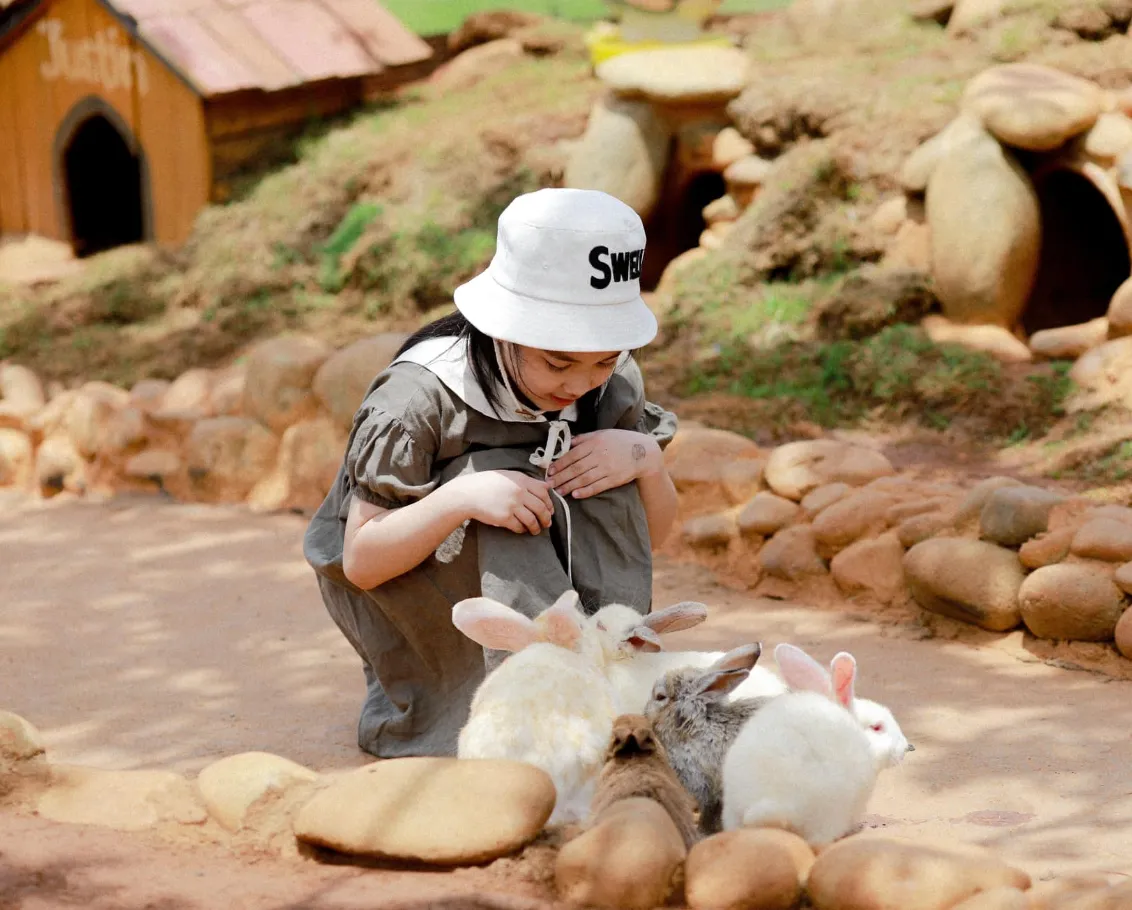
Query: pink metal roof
{"points": [[224, 46]]}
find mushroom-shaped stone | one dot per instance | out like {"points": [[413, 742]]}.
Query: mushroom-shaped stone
{"points": [[1034, 107], [985, 234], [918, 167], [699, 74], [623, 152]]}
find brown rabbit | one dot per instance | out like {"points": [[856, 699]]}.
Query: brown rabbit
{"points": [[636, 764]]}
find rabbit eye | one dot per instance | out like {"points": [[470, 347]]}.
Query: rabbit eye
{"points": [[877, 728]]}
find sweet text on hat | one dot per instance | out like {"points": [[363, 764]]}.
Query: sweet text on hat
{"points": [[614, 266]]}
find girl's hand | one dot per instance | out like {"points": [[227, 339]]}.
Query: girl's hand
{"points": [[506, 499], [603, 460]]}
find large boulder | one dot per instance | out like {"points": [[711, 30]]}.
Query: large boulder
{"points": [[280, 372], [796, 468], [879, 873], [444, 811], [747, 869], [226, 456], [1072, 602], [970, 580], [1014, 514], [713, 466], [626, 859], [985, 233], [17, 458], [236, 786], [310, 454], [623, 152], [343, 379]]}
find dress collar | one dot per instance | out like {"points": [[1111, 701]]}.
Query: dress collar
{"points": [[447, 359]]}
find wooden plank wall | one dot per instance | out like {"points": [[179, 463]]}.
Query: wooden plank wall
{"points": [[38, 91]]}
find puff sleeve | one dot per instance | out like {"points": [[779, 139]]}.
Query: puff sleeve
{"points": [[625, 402], [387, 465]]}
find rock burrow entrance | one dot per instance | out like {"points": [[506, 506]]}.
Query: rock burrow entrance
{"points": [[1084, 256]]}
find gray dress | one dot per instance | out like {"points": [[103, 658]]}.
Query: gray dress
{"points": [[412, 433]]}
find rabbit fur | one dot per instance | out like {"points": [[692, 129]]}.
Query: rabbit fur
{"points": [[887, 740], [637, 765], [548, 704], [802, 762], [639, 660], [696, 723]]}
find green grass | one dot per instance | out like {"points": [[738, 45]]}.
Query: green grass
{"points": [[434, 17], [896, 374]]}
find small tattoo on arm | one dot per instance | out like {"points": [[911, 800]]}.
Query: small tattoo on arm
{"points": [[638, 452]]}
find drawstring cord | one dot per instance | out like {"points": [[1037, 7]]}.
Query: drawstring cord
{"points": [[558, 441]]}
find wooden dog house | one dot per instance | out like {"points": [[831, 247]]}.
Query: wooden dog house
{"points": [[120, 120]]}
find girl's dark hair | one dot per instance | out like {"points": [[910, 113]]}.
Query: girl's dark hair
{"points": [[485, 365]]}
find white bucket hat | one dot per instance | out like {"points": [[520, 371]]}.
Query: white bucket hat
{"points": [[566, 275]]}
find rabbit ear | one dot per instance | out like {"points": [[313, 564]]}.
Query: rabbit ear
{"points": [[494, 625], [564, 620], [642, 638], [683, 615], [844, 671], [801, 672], [730, 670]]}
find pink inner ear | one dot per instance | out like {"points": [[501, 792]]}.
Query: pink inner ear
{"points": [[676, 618], [844, 672], [494, 625], [563, 631], [801, 672]]}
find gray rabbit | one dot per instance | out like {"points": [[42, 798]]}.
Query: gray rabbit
{"points": [[696, 724]]}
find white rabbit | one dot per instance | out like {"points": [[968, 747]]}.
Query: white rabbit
{"points": [[549, 704], [887, 740], [637, 658], [802, 762]]}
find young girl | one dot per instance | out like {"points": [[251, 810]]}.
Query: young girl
{"points": [[507, 451]]}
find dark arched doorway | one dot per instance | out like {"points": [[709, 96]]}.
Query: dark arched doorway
{"points": [[103, 179], [677, 224], [1084, 256]]}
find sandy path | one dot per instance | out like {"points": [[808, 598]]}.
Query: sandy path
{"points": [[142, 634]]}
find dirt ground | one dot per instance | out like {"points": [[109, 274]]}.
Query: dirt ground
{"points": [[142, 634]]}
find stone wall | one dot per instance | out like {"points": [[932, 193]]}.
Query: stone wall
{"points": [[997, 554], [269, 431]]}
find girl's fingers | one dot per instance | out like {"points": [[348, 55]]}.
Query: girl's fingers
{"points": [[592, 489], [569, 472], [582, 479], [576, 453], [540, 489], [528, 519], [541, 510]]}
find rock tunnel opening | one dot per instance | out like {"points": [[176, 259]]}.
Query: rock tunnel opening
{"points": [[678, 221], [1084, 256]]}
